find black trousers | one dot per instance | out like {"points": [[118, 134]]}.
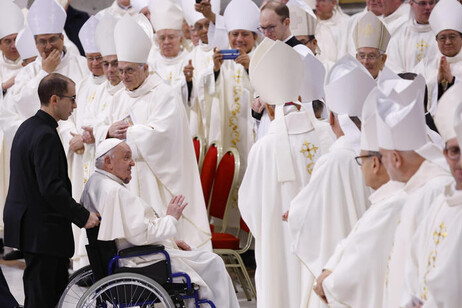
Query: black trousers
{"points": [[7, 299], [45, 279]]}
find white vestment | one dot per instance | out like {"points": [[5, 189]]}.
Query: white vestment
{"points": [[116, 10], [263, 200], [359, 263], [325, 210], [422, 189], [434, 269], [397, 19], [130, 221], [9, 68], [163, 152]]}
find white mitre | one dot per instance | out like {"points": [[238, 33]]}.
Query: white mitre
{"points": [[301, 21], [131, 41], [400, 127], [313, 83], [106, 146], [25, 44], [276, 73], [242, 15], [104, 35], [446, 15], [371, 32], [447, 105], [145, 24], [87, 35], [458, 123], [347, 86], [369, 123], [190, 14], [11, 18], [46, 17], [138, 5], [165, 14], [407, 90]]}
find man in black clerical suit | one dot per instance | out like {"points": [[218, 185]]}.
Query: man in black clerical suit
{"points": [[39, 208]]}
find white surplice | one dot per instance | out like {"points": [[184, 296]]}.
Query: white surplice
{"points": [[9, 68], [434, 269], [130, 221], [359, 263], [163, 152], [326, 210], [398, 18], [263, 200], [422, 189]]}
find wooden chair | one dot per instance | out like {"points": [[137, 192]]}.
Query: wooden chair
{"points": [[209, 168], [199, 148]]}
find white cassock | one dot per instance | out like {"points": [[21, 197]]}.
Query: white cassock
{"points": [[350, 43], [202, 96], [359, 263], [332, 35], [263, 200], [130, 221], [9, 68], [163, 152], [22, 98], [325, 210], [434, 269], [171, 70], [422, 189], [397, 19]]}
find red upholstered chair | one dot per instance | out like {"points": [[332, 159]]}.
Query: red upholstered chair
{"points": [[209, 167], [199, 148]]}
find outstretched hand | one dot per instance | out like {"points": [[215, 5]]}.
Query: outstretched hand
{"points": [[175, 207]]}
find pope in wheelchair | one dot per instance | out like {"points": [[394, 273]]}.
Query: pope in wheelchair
{"points": [[129, 221]]}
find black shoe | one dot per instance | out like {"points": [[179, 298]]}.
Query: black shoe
{"points": [[13, 255]]}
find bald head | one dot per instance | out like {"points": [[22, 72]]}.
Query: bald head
{"points": [[401, 165]]}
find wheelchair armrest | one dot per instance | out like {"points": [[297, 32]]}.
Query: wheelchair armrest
{"points": [[140, 250]]}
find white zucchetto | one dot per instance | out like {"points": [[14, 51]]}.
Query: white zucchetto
{"points": [[106, 146]]}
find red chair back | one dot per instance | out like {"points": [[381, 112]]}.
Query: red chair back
{"points": [[208, 170], [197, 148], [222, 185], [243, 226]]}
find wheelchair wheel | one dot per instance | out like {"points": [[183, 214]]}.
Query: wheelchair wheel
{"points": [[126, 290], [79, 282]]}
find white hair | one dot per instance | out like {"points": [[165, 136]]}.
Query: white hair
{"points": [[99, 163]]}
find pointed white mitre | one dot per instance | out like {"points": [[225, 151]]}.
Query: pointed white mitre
{"points": [[46, 17], [11, 18], [145, 24], [406, 90], [400, 127], [138, 5], [276, 72], [371, 32], [25, 44], [447, 105], [446, 15], [166, 15], [104, 35], [313, 82], [348, 85], [190, 13], [301, 22], [242, 15], [87, 35], [131, 41], [369, 123], [106, 146]]}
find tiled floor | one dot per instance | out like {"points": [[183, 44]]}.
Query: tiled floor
{"points": [[13, 271]]}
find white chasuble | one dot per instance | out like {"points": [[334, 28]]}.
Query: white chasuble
{"points": [[163, 151], [434, 270], [280, 277], [422, 189], [397, 19], [130, 221], [326, 210], [360, 261], [9, 69]]}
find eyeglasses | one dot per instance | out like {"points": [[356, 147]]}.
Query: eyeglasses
{"points": [[268, 29], [451, 37], [423, 4], [114, 63], [130, 70], [359, 159], [370, 56], [52, 40], [72, 98], [453, 153], [97, 59]]}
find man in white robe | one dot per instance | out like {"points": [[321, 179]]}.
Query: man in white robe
{"points": [[118, 9], [130, 221], [319, 220], [395, 14], [150, 115], [279, 165], [365, 251], [433, 269]]}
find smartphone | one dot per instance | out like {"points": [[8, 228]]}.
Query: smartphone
{"points": [[198, 1], [229, 54]]}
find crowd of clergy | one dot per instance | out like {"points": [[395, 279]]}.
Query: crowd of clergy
{"points": [[348, 130]]}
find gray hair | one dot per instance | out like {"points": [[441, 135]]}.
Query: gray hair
{"points": [[99, 163]]}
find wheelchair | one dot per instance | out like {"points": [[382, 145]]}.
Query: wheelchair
{"points": [[104, 284]]}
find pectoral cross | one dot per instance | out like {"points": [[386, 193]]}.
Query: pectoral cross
{"points": [[309, 150]]}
